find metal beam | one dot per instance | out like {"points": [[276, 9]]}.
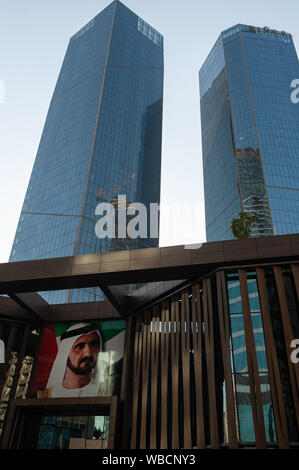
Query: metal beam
{"points": [[34, 304], [145, 265]]}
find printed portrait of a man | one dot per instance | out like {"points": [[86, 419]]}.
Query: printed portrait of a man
{"points": [[75, 372], [80, 359]]}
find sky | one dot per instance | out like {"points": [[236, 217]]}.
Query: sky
{"points": [[34, 36]]}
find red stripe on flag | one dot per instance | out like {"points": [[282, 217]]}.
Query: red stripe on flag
{"points": [[47, 355]]}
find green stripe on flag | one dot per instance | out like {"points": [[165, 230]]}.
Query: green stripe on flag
{"points": [[108, 328]]}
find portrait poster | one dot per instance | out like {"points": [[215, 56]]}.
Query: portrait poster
{"points": [[80, 359]]}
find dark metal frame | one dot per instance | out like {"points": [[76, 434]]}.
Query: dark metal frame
{"points": [[46, 405], [150, 353]]}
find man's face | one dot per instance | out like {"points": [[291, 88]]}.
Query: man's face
{"points": [[83, 354]]}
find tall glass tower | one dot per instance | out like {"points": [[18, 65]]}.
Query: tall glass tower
{"points": [[250, 131], [102, 138]]}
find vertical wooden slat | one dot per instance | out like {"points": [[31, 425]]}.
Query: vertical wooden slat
{"points": [[295, 270], [127, 359], [10, 343], [155, 336], [224, 325], [126, 382], [112, 423], [146, 355], [175, 341], [136, 378], [8, 350], [288, 337], [255, 387], [185, 337], [210, 358], [198, 372], [273, 366], [165, 333]]}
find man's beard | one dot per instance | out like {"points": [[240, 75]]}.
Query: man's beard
{"points": [[86, 370]]}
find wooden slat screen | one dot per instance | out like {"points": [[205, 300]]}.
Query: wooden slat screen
{"points": [[175, 400], [166, 377]]}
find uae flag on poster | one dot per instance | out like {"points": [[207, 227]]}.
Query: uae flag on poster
{"points": [[112, 333]]}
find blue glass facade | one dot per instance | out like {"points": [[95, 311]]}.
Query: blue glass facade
{"points": [[240, 352], [250, 131], [239, 359], [102, 137]]}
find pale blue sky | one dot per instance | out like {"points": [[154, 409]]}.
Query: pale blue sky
{"points": [[34, 35]]}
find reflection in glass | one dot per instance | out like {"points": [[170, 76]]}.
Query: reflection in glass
{"points": [[240, 365], [239, 362], [253, 190], [73, 432]]}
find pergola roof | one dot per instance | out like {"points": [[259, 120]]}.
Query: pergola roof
{"points": [[159, 270]]}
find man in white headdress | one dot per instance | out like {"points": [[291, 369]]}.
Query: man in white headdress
{"points": [[75, 369]]}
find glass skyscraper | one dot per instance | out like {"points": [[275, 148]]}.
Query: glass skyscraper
{"points": [[250, 131], [102, 138]]}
